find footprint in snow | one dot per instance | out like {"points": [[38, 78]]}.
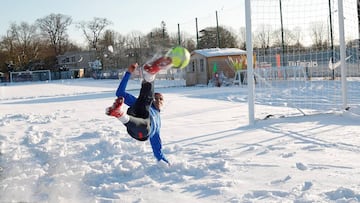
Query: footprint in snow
{"points": [[301, 166]]}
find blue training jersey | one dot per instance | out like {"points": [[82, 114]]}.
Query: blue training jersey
{"points": [[155, 121]]}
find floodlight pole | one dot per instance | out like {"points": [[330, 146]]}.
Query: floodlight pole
{"points": [[331, 40], [282, 35], [358, 13]]}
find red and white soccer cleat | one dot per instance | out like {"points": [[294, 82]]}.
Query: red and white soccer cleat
{"points": [[116, 110], [157, 65]]}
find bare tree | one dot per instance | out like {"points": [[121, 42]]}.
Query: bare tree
{"points": [[7, 47], [93, 30], [263, 37], [26, 44], [54, 26], [185, 40], [117, 58], [120, 58], [242, 38], [297, 35], [318, 34], [289, 38], [107, 39], [135, 44], [208, 38], [159, 37], [227, 37]]}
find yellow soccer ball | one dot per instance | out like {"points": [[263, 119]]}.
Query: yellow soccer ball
{"points": [[180, 57]]}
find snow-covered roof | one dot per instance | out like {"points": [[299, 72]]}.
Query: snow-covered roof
{"points": [[219, 52]]}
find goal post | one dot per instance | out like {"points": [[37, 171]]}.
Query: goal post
{"points": [[30, 76], [342, 54], [249, 55]]}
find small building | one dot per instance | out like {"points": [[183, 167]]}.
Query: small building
{"points": [[77, 62], [205, 63]]}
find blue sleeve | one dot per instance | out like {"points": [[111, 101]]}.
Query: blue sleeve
{"points": [[121, 90], [157, 147]]}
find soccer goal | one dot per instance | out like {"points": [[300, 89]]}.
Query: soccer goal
{"points": [[306, 56], [30, 76]]}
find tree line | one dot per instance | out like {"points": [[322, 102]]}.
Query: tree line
{"points": [[35, 46]]}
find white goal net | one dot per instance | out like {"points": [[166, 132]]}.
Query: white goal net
{"points": [[296, 45]]}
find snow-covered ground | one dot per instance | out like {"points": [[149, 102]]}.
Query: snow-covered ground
{"points": [[57, 145]]}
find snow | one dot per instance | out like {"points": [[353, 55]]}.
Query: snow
{"points": [[57, 145]]}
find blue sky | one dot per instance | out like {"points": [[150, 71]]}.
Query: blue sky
{"points": [[128, 15]]}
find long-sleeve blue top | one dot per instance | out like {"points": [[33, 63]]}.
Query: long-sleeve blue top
{"points": [[155, 121]]}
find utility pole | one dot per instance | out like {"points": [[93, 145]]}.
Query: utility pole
{"points": [[217, 30], [179, 38], [358, 12], [197, 33], [282, 35]]}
